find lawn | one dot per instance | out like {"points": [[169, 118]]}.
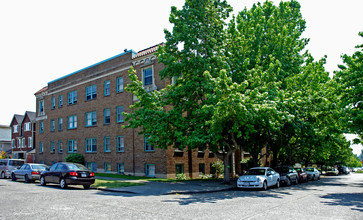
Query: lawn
{"points": [[114, 183], [120, 176]]}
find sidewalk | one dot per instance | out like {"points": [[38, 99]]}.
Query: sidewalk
{"points": [[167, 188]]}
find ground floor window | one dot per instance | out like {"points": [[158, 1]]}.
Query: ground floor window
{"points": [[107, 167], [120, 168], [201, 169], [150, 170], [179, 168], [91, 166]]}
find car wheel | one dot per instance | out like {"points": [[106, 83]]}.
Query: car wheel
{"points": [[86, 186], [278, 183], [2, 175], [264, 185], [288, 182], [42, 181], [26, 178], [63, 183], [313, 178], [13, 178], [296, 181]]}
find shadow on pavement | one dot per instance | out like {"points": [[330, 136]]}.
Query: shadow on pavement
{"points": [[354, 200]]}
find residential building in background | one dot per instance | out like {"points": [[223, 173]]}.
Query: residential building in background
{"points": [[82, 113], [5, 139]]}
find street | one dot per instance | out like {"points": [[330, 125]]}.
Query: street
{"points": [[332, 197]]}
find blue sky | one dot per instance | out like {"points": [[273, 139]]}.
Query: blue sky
{"points": [[43, 40]]}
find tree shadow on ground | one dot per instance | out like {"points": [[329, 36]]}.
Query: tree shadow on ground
{"points": [[354, 200]]}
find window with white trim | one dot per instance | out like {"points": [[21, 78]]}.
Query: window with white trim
{"points": [[91, 92], [120, 144], [91, 119]]}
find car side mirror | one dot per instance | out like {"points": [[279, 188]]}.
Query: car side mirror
{"points": [[47, 169]]}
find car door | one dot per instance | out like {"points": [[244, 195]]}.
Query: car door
{"points": [[19, 174], [270, 177], [49, 175], [61, 168]]}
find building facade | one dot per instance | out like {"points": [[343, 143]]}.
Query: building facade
{"points": [[5, 139], [82, 113]]}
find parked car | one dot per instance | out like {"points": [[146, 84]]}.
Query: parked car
{"points": [[344, 170], [8, 165], [65, 174], [29, 172], [332, 171], [313, 173], [303, 176], [288, 175], [259, 177]]}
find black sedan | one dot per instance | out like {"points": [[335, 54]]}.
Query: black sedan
{"points": [[66, 174]]}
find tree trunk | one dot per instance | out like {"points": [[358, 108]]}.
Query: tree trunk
{"points": [[233, 164]]}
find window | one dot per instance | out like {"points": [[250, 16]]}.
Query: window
{"points": [[41, 106], [120, 144], [60, 101], [19, 143], [52, 146], [72, 97], [30, 142], [120, 168], [179, 168], [178, 146], [23, 142], [150, 170], [212, 169], [53, 103], [92, 166], [72, 146], [148, 76], [72, 122], [107, 167], [201, 149], [120, 117], [60, 124], [15, 128], [27, 126], [107, 144], [52, 125], [148, 147], [201, 169], [13, 143], [60, 147], [91, 145], [91, 119], [40, 147], [91, 92], [120, 84], [107, 87], [107, 116], [41, 127]]}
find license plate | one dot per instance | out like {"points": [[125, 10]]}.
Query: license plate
{"points": [[83, 175]]}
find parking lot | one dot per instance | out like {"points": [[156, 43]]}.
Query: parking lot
{"points": [[332, 197]]}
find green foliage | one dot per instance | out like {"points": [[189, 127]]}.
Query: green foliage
{"points": [[3, 155], [219, 167], [181, 176], [75, 158]]}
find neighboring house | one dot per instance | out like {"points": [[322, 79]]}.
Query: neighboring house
{"points": [[5, 139], [23, 136], [82, 112]]}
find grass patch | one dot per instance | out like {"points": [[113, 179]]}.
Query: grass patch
{"points": [[114, 183], [120, 176], [359, 171]]}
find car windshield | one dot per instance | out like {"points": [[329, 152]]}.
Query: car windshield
{"points": [[256, 172], [309, 169], [76, 167], [282, 169], [16, 163], [38, 167], [298, 169]]}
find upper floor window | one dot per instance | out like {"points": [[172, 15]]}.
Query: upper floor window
{"points": [[52, 125], [91, 145], [72, 97], [60, 101], [120, 84], [72, 122], [107, 144], [40, 147], [41, 127], [91, 92], [107, 116], [107, 87], [148, 146], [27, 126], [120, 110], [30, 142], [52, 146], [23, 142], [41, 106], [53, 103], [91, 119], [60, 124], [60, 147], [120, 144], [148, 76], [15, 128], [72, 146], [13, 143]]}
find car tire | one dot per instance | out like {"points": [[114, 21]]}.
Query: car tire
{"points": [[42, 181], [86, 186], [63, 183], [264, 186], [277, 184], [296, 180], [288, 182], [13, 177], [26, 178], [2, 175]]}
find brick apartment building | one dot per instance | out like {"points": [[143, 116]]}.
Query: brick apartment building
{"points": [[82, 112], [23, 136]]}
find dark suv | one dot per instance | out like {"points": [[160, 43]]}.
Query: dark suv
{"points": [[288, 175]]}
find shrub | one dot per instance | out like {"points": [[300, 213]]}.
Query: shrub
{"points": [[75, 158], [181, 176], [219, 166]]}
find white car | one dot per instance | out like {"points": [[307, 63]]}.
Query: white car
{"points": [[259, 177], [313, 173]]}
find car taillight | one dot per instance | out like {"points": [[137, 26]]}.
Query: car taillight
{"points": [[92, 174], [73, 173], [35, 173]]}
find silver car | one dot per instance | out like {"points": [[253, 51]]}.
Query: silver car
{"points": [[313, 173], [29, 172], [259, 177]]}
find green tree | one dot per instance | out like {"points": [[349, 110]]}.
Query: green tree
{"points": [[75, 158]]}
